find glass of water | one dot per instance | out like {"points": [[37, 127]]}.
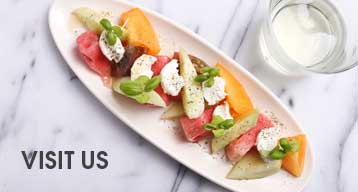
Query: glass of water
{"points": [[301, 37]]}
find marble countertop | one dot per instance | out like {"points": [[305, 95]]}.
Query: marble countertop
{"points": [[43, 106]]}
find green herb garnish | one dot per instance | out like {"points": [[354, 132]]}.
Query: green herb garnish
{"points": [[111, 38], [131, 88], [106, 24], [142, 79], [218, 132], [152, 84], [277, 153], [201, 78], [142, 98], [226, 124], [139, 86], [207, 76], [210, 82], [112, 32], [284, 146], [119, 31], [218, 125]]}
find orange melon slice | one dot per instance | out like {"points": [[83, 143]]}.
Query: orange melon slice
{"points": [[140, 31], [294, 161], [239, 101]]}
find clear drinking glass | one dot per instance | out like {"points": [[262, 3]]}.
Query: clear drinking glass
{"points": [[310, 36]]}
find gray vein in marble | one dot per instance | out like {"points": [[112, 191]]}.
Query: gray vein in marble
{"points": [[11, 115], [282, 92], [229, 23], [200, 183], [179, 178], [73, 77], [129, 174], [290, 102], [197, 29], [26, 35], [33, 62], [354, 50], [57, 131], [141, 141], [342, 144], [253, 68], [23, 38], [246, 29]]}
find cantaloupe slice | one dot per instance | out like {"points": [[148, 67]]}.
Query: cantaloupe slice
{"points": [[140, 31], [294, 161], [239, 100]]}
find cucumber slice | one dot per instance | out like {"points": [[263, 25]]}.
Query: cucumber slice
{"points": [[234, 132], [193, 100], [174, 111], [89, 18], [154, 97], [252, 166]]}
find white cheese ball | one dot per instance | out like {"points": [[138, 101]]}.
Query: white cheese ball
{"points": [[111, 52], [171, 81], [143, 66], [215, 93], [223, 111], [267, 140]]}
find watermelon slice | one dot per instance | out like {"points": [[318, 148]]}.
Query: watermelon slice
{"points": [[164, 96], [176, 98], [159, 64], [157, 68], [193, 128], [88, 46], [240, 146]]}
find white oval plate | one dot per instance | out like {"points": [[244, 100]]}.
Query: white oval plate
{"points": [[145, 121]]}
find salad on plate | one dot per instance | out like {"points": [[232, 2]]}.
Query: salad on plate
{"points": [[207, 100]]}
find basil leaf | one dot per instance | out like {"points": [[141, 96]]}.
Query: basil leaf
{"points": [[142, 98], [111, 38], [106, 24], [152, 84], [120, 32], [142, 79], [131, 88]]}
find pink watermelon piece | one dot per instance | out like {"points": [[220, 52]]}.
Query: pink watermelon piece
{"points": [[88, 46], [157, 68], [193, 128], [164, 96], [176, 98], [240, 146], [159, 64]]}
